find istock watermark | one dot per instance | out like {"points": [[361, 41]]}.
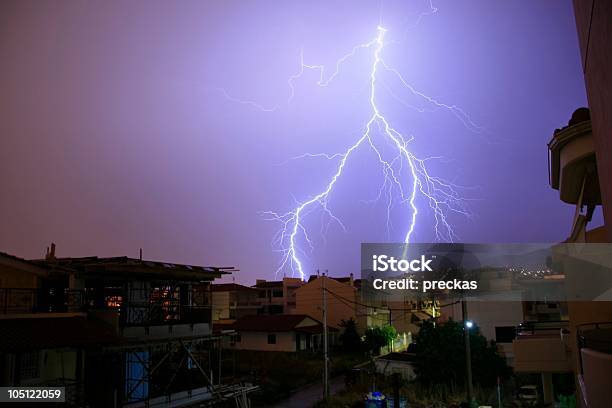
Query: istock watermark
{"points": [[513, 272], [383, 263]]}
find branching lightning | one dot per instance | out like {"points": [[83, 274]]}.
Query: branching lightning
{"points": [[405, 176]]}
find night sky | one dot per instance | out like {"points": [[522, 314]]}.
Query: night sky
{"points": [[114, 134]]}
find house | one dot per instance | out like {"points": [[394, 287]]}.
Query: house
{"points": [[231, 301], [342, 299], [281, 332], [344, 302]]}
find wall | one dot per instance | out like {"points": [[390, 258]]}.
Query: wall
{"points": [[309, 301], [220, 305], [16, 274], [285, 341], [593, 19]]}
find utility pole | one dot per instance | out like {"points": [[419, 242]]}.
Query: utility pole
{"points": [[468, 352], [325, 345]]}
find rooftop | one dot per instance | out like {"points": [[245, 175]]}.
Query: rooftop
{"points": [[125, 267], [230, 287]]}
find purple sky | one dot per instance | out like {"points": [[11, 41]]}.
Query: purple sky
{"points": [[114, 135]]}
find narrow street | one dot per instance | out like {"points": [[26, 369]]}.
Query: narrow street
{"points": [[306, 397]]}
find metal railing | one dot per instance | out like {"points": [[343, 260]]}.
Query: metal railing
{"points": [[149, 313], [551, 328], [152, 314]]}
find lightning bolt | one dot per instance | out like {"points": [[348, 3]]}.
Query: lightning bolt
{"points": [[405, 175]]}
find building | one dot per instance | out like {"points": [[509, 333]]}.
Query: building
{"points": [[231, 301], [286, 332], [594, 32], [45, 336], [119, 331], [579, 170], [277, 297], [579, 341], [496, 320], [342, 300]]}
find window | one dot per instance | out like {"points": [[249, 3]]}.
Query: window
{"points": [[277, 293], [30, 365], [271, 338], [261, 294], [505, 334]]}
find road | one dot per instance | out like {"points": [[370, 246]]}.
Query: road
{"points": [[307, 396]]}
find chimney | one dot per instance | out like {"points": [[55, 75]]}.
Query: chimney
{"points": [[140, 254], [351, 279], [50, 252]]}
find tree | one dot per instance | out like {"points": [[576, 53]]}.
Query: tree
{"points": [[350, 339], [378, 337], [440, 356]]}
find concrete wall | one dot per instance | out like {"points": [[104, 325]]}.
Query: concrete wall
{"points": [[285, 341], [15, 274], [220, 305], [593, 19], [597, 369], [309, 301], [541, 354]]}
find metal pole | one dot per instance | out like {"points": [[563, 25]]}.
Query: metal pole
{"points": [[468, 353], [325, 345], [499, 402]]}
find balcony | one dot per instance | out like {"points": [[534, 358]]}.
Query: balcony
{"points": [[572, 164], [540, 347], [595, 347], [17, 301], [153, 314]]}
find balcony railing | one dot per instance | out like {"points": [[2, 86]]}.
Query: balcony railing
{"points": [[18, 300], [154, 312], [542, 329], [595, 359], [595, 336], [542, 347]]}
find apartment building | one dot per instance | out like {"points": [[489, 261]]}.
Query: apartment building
{"points": [[277, 297], [231, 301]]}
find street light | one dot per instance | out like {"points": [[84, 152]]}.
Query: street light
{"points": [[468, 354]]}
